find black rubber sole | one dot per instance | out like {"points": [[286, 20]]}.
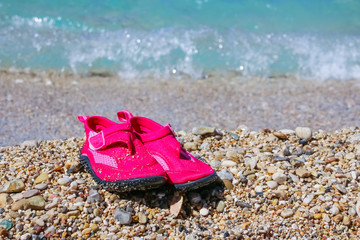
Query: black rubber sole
{"points": [[197, 183], [128, 185]]}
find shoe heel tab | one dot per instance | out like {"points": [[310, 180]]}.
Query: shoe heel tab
{"points": [[83, 118], [124, 116]]}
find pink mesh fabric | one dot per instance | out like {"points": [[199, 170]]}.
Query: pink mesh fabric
{"points": [[179, 164], [115, 153]]}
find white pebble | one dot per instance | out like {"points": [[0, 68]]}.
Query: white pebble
{"points": [[228, 163], [204, 212], [64, 180]]}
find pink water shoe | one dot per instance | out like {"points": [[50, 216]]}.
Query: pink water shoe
{"points": [[116, 158], [184, 171]]}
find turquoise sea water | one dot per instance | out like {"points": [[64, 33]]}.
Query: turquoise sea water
{"points": [[162, 38]]}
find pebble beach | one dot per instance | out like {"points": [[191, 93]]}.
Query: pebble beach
{"points": [[273, 184], [265, 92]]}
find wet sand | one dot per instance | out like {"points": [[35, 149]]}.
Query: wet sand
{"points": [[45, 106]]}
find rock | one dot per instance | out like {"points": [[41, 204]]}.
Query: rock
{"points": [[3, 232], [287, 131], [334, 210], [280, 135], [64, 180], [205, 146], [279, 194], [191, 146], [233, 156], [3, 200], [220, 206], [7, 224], [338, 218], [40, 222], [350, 156], [13, 186], [271, 169], [73, 167], [17, 196], [346, 220], [94, 196], [286, 152], [142, 218], [281, 159], [31, 193], [357, 208], [29, 143], [215, 164], [26, 236], [341, 188], [228, 163], [303, 132], [219, 156], [252, 163], [308, 199], [14, 214], [43, 177], [97, 212], [225, 175], [36, 203], [234, 135], [74, 185], [53, 204], [73, 213], [122, 216], [303, 173], [271, 184], [113, 229], [19, 227], [354, 139], [278, 177], [354, 175], [352, 211], [294, 178], [41, 186], [287, 213], [86, 232], [317, 215], [203, 130], [94, 227], [204, 212], [21, 204], [228, 184], [49, 231], [243, 204], [258, 189], [326, 217]]}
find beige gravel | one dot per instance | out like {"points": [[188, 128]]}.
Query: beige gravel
{"points": [[46, 105]]}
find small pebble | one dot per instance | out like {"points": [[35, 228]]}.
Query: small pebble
{"points": [[287, 213], [122, 216], [64, 180], [204, 212]]}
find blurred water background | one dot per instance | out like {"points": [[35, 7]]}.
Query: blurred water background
{"points": [[190, 38]]}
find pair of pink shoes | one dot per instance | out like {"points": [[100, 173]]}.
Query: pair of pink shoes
{"points": [[139, 154]]}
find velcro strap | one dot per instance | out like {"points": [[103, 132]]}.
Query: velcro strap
{"points": [[172, 143], [113, 134], [148, 137], [124, 116]]}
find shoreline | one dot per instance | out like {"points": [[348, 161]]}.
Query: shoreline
{"points": [[40, 106]]}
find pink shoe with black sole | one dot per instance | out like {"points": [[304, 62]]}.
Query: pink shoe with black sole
{"points": [[184, 171], [116, 159]]}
